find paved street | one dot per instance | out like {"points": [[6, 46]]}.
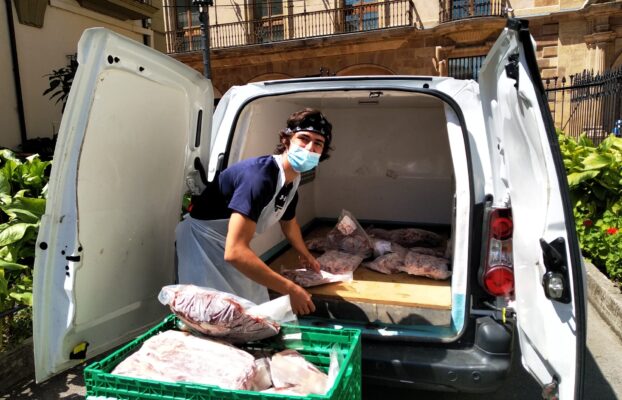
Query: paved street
{"points": [[602, 377]]}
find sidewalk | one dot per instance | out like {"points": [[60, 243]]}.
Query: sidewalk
{"points": [[606, 298]]}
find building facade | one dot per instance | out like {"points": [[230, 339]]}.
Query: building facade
{"points": [[255, 40], [39, 36]]}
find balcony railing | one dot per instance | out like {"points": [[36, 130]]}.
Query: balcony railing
{"points": [[349, 19], [451, 10]]}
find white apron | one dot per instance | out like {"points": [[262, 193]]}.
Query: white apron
{"points": [[201, 247]]}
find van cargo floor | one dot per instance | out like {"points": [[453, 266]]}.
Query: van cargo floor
{"points": [[375, 297]]}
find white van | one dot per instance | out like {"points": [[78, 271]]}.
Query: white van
{"points": [[478, 163]]}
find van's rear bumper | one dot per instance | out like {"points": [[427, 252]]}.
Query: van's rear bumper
{"points": [[477, 368]]}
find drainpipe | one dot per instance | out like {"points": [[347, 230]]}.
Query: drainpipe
{"points": [[16, 78]]}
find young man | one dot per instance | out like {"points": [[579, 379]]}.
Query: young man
{"points": [[213, 242]]}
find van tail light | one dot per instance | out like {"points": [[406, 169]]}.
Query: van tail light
{"points": [[497, 276]]}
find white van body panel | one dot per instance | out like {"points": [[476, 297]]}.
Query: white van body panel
{"points": [[549, 331], [126, 147]]}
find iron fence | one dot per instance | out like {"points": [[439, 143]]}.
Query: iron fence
{"points": [[586, 102], [357, 17], [451, 10]]}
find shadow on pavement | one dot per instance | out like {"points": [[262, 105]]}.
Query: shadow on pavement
{"points": [[68, 385], [595, 384]]}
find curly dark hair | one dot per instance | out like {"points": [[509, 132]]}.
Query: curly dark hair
{"points": [[307, 119]]}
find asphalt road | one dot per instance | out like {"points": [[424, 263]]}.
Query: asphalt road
{"points": [[603, 377]]}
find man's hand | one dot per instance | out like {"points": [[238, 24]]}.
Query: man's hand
{"points": [[300, 300], [291, 230], [309, 262]]}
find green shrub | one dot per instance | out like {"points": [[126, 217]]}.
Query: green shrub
{"points": [[23, 188], [595, 181]]}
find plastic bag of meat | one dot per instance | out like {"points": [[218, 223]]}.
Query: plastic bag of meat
{"points": [[426, 265], [339, 262], [382, 247], [308, 278], [407, 237], [290, 371], [378, 233], [316, 244], [411, 237], [223, 315], [174, 356], [349, 236], [389, 263], [435, 251], [389, 257]]}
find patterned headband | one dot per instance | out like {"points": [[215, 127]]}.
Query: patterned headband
{"points": [[313, 124]]}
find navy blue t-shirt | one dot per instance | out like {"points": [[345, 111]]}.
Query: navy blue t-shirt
{"points": [[245, 187]]}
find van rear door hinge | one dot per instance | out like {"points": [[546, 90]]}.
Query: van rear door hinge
{"points": [[511, 68], [550, 391]]}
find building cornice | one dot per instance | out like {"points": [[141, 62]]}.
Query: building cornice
{"points": [[600, 37]]}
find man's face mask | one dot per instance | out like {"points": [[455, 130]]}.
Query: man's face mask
{"points": [[301, 159]]}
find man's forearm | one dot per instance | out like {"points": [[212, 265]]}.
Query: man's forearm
{"points": [[247, 262], [292, 232]]}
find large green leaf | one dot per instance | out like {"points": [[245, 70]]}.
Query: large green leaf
{"points": [[24, 297], [5, 183], [7, 154], [597, 161], [25, 209], [10, 266], [583, 140], [576, 178], [13, 233]]}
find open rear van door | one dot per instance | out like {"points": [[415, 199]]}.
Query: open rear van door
{"points": [[135, 123], [549, 287]]}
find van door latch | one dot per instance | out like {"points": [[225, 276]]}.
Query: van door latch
{"points": [[555, 281]]}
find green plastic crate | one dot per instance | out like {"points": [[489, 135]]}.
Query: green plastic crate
{"points": [[315, 345]]}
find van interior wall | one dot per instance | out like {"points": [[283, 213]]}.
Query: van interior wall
{"points": [[391, 161]]}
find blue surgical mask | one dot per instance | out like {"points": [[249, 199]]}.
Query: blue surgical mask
{"points": [[301, 159]]}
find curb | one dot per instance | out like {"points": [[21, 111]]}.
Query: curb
{"points": [[605, 297]]}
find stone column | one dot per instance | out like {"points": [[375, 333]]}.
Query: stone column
{"points": [[441, 56], [598, 44]]}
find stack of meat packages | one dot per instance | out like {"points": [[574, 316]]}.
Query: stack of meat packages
{"points": [[344, 247], [414, 251], [210, 348]]}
